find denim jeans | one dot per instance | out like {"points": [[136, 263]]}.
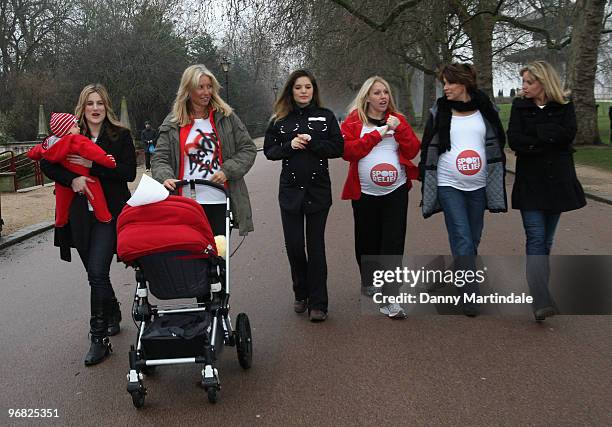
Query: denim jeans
{"points": [[540, 227], [464, 218]]}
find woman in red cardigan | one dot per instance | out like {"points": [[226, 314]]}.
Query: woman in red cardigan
{"points": [[379, 144]]}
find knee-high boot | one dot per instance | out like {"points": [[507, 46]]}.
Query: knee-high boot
{"points": [[112, 312], [100, 347]]}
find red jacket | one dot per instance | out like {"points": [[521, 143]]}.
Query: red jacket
{"points": [[357, 147]]}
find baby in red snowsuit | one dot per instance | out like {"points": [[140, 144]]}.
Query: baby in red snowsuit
{"points": [[66, 140]]}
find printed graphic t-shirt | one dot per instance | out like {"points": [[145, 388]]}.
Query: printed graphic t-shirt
{"points": [[464, 167], [202, 158], [380, 172]]}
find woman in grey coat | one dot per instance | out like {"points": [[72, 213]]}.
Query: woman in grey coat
{"points": [[203, 138]]}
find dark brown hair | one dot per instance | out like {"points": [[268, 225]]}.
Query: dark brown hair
{"points": [[463, 74], [284, 104]]}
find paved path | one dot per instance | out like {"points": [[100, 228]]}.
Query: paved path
{"points": [[353, 369]]}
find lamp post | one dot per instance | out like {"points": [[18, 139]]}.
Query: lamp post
{"points": [[225, 64], [275, 90]]}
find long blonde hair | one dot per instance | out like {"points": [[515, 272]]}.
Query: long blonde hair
{"points": [[360, 103], [543, 72], [79, 110], [181, 110]]}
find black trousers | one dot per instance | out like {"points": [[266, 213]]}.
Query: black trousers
{"points": [[98, 256], [147, 159], [380, 229], [216, 217], [308, 269]]}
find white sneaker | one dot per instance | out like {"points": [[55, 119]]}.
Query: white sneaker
{"points": [[394, 310]]}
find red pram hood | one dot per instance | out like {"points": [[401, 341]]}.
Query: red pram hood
{"points": [[177, 223]]}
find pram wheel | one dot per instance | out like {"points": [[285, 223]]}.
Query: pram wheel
{"points": [[212, 394], [138, 398], [244, 342]]}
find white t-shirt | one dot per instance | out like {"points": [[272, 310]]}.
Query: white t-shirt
{"points": [[464, 167], [380, 172], [202, 158]]}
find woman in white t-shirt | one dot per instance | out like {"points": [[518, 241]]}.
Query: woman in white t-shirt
{"points": [[462, 165], [203, 138], [379, 144]]}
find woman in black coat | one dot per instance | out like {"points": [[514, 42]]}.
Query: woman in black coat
{"points": [[96, 241], [541, 131], [304, 135]]}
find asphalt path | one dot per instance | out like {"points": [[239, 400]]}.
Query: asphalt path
{"points": [[357, 368]]}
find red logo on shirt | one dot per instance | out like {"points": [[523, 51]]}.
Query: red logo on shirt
{"points": [[383, 174], [469, 162]]}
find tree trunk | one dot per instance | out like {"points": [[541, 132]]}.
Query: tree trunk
{"points": [[583, 66], [429, 96], [407, 83], [480, 32]]}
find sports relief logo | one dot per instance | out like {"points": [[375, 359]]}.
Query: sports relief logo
{"points": [[469, 162], [383, 174]]}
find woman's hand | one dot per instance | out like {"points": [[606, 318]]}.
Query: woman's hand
{"points": [[170, 184], [300, 141], [78, 160], [393, 122], [79, 185], [218, 178]]}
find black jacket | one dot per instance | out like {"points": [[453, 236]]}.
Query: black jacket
{"points": [[113, 181], [304, 184], [545, 173], [148, 135]]}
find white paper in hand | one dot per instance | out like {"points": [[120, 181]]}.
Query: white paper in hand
{"points": [[148, 191]]}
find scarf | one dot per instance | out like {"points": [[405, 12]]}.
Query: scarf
{"points": [[479, 101]]}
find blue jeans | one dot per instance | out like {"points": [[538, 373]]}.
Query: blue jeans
{"points": [[464, 218], [540, 227]]}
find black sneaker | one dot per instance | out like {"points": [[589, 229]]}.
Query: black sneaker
{"points": [[542, 313], [299, 306], [317, 315]]}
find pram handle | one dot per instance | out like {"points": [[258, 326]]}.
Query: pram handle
{"points": [[192, 183]]}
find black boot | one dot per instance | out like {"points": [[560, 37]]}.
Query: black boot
{"points": [[112, 312], [100, 347]]}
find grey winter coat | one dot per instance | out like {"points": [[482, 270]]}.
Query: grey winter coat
{"points": [[496, 170], [237, 150]]}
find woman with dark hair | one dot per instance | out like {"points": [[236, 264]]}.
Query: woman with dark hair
{"points": [[96, 241], [304, 135], [463, 166], [541, 130], [379, 144]]}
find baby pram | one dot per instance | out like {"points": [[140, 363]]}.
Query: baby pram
{"points": [[172, 249]]}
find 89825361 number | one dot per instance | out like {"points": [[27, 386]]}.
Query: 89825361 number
{"points": [[33, 413]]}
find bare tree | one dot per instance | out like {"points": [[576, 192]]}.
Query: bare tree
{"points": [[583, 66]]}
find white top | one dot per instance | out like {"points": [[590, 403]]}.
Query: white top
{"points": [[464, 166], [201, 160], [380, 172]]}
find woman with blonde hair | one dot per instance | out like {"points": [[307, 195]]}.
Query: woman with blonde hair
{"points": [[303, 135], [541, 130], [379, 144], [203, 138], [95, 241]]}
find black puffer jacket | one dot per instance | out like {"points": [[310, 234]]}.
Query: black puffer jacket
{"points": [[304, 184], [545, 173]]}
